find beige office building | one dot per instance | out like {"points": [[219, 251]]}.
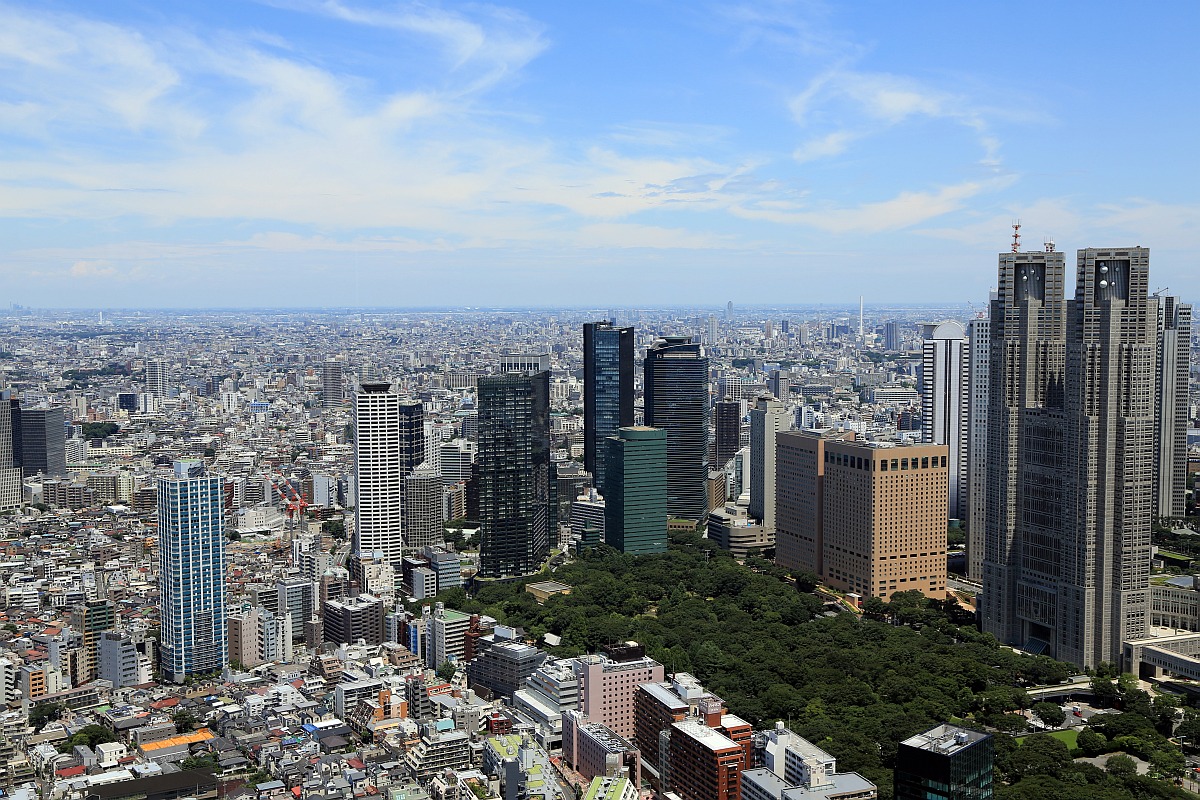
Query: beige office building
{"points": [[867, 518]]}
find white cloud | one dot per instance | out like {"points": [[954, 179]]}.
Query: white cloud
{"points": [[92, 269], [902, 211], [832, 144]]}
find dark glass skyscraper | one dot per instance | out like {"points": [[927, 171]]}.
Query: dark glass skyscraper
{"points": [[729, 430], [676, 386], [514, 473], [635, 495], [607, 390], [43, 441], [945, 763]]}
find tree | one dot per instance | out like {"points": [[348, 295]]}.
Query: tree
{"points": [[185, 721], [99, 430], [1050, 713], [1090, 743], [806, 581], [334, 527], [1040, 754], [40, 715], [203, 761], [1121, 766], [1170, 762], [446, 671]]}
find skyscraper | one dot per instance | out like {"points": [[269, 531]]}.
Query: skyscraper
{"points": [[156, 378], [979, 351], [514, 473], [379, 477], [945, 763], [891, 335], [676, 392], [867, 519], [1028, 355], [412, 435], [43, 439], [607, 390], [943, 388], [767, 418], [635, 497], [422, 508], [191, 544], [728, 414], [10, 464], [331, 384], [1072, 467], [1171, 399]]}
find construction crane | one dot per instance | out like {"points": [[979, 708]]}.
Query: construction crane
{"points": [[295, 503]]}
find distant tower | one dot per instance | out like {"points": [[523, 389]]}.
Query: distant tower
{"points": [[43, 440], [514, 473], [728, 416], [891, 335], [331, 384], [767, 418], [156, 378], [1171, 400], [607, 390], [191, 544], [979, 351], [676, 391], [860, 317], [635, 496], [729, 310], [10, 454], [379, 478], [943, 387]]}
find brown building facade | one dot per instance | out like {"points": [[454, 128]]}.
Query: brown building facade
{"points": [[867, 518]]}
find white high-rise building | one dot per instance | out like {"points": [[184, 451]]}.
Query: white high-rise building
{"points": [[191, 543], [979, 334], [156, 378], [767, 418], [944, 404], [379, 476]]}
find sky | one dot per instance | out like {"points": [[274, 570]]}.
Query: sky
{"points": [[310, 153]]}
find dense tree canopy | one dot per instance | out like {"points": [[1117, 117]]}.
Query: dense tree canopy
{"points": [[854, 687]]}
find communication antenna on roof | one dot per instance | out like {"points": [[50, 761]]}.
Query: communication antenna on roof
{"points": [[1050, 244], [1016, 239]]}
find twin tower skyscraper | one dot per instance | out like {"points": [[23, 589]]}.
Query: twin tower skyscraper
{"points": [[1078, 426]]}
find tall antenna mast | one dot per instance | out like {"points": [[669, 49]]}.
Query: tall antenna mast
{"points": [[1050, 245], [1016, 242]]}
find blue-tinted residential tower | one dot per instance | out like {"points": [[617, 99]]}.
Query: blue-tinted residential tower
{"points": [[191, 546], [607, 390]]}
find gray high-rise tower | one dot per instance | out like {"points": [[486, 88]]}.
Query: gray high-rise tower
{"points": [[43, 440], [331, 384], [676, 389], [767, 418], [1171, 398], [1071, 460]]}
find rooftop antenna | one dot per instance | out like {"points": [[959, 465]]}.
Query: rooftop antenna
{"points": [[1050, 244], [1016, 242]]}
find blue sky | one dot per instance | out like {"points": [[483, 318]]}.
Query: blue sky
{"points": [[351, 152]]}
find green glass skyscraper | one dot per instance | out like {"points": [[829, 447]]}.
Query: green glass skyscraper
{"points": [[514, 473], [635, 491]]}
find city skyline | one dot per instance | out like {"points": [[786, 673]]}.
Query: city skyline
{"points": [[355, 151]]}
